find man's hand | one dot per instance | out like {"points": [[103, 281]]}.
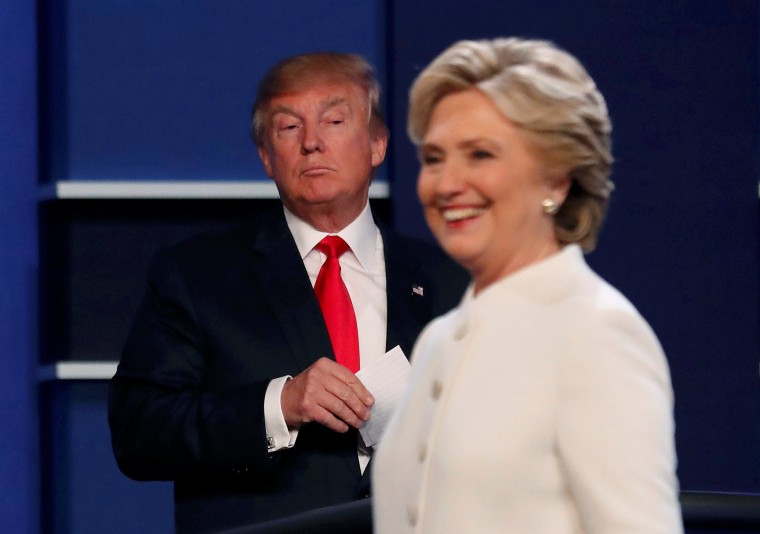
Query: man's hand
{"points": [[326, 393]]}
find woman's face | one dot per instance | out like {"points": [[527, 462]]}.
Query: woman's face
{"points": [[481, 184]]}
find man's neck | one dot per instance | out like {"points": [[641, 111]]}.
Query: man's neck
{"points": [[360, 234], [330, 221]]}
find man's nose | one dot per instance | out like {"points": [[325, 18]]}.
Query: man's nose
{"points": [[312, 140]]}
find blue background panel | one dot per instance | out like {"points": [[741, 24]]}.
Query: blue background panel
{"points": [[681, 240], [88, 494], [148, 90], [18, 268], [162, 89]]}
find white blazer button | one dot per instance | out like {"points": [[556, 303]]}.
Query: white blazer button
{"points": [[437, 389], [460, 332], [411, 514], [422, 453]]}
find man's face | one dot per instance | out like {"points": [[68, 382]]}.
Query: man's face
{"points": [[320, 152]]}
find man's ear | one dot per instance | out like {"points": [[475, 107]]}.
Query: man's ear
{"points": [[378, 146], [264, 155]]}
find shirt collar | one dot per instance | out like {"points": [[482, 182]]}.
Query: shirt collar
{"points": [[361, 236]]}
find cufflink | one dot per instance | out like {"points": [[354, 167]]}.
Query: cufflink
{"points": [[270, 443], [418, 290]]}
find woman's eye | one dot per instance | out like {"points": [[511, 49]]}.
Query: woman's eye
{"points": [[481, 154], [429, 159]]}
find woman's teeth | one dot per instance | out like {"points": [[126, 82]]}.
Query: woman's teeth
{"points": [[458, 214]]}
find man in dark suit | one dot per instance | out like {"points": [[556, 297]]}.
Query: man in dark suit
{"points": [[228, 383]]}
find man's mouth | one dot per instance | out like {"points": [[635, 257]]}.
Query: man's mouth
{"points": [[315, 170]]}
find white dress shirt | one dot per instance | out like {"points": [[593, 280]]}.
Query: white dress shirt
{"points": [[363, 272]]}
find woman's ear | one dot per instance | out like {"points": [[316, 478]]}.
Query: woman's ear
{"points": [[558, 187]]}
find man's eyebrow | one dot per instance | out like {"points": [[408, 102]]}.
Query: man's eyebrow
{"points": [[326, 104], [282, 108], [333, 101]]}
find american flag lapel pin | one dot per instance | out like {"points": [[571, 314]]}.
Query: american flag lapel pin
{"points": [[418, 290]]}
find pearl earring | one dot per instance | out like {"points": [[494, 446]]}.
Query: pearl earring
{"points": [[550, 206]]}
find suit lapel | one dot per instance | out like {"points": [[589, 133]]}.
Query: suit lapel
{"points": [[285, 284], [279, 271], [406, 309]]}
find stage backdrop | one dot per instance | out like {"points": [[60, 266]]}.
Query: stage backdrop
{"points": [[161, 91], [681, 240]]}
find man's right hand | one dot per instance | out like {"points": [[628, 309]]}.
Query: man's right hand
{"points": [[326, 393]]}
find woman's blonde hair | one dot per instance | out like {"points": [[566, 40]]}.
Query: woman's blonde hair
{"points": [[548, 94]]}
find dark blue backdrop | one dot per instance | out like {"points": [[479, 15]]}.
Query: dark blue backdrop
{"points": [[18, 265], [681, 240], [163, 90]]}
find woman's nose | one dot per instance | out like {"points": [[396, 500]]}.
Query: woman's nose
{"points": [[451, 179]]}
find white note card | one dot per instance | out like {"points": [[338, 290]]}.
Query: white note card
{"points": [[386, 379]]}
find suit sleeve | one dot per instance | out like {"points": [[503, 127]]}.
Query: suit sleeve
{"points": [[615, 428], [164, 423]]}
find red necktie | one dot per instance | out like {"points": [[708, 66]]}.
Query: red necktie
{"points": [[336, 304]]}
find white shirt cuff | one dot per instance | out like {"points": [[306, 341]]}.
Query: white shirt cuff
{"points": [[279, 436]]}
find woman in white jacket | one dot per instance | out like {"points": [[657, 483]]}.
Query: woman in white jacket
{"points": [[542, 404]]}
